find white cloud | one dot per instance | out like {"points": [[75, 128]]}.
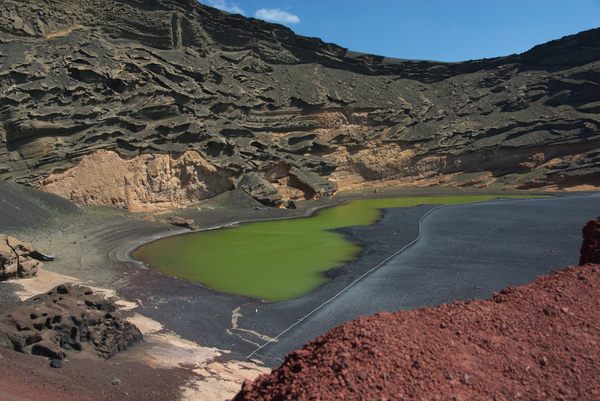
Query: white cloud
{"points": [[225, 6], [277, 15]]}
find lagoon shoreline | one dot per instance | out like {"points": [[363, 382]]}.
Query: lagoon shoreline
{"points": [[85, 242]]}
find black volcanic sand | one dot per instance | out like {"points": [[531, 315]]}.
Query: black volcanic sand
{"points": [[88, 244], [465, 252], [22, 206], [204, 315]]}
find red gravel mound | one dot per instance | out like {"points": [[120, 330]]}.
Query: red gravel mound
{"points": [[590, 250], [536, 342]]}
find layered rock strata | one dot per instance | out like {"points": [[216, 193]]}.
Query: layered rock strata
{"points": [[183, 101]]}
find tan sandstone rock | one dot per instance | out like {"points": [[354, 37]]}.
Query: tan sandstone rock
{"points": [[143, 183], [18, 259]]}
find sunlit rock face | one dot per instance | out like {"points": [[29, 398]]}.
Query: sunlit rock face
{"points": [[143, 79]]}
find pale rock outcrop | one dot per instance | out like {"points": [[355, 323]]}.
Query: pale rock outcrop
{"points": [[143, 183], [19, 259]]}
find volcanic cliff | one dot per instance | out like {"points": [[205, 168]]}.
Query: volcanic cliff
{"points": [[160, 103]]}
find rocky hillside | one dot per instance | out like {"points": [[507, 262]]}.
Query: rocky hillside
{"points": [[159, 103]]}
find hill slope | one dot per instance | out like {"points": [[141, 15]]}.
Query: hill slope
{"points": [[160, 103]]}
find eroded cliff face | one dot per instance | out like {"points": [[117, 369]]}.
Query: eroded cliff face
{"points": [[142, 183], [276, 114]]}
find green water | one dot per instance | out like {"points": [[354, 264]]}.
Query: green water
{"points": [[275, 260]]}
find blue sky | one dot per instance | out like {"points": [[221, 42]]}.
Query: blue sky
{"points": [[446, 30]]}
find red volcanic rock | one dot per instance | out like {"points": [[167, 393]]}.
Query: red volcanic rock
{"points": [[535, 342], [590, 249]]}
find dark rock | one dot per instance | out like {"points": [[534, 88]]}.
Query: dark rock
{"points": [[259, 188], [62, 289], [590, 249], [56, 363], [48, 349], [60, 320]]}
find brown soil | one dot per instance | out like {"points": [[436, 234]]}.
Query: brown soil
{"points": [[536, 342], [29, 378], [590, 249]]}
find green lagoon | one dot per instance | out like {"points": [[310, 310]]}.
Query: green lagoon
{"points": [[276, 260]]}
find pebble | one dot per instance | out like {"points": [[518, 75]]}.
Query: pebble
{"points": [[56, 363]]}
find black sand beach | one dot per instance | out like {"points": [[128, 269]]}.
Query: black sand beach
{"points": [[91, 242]]}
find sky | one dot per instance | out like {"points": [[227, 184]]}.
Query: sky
{"points": [[443, 30]]}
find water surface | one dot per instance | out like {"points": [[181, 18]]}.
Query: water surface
{"points": [[280, 259]]}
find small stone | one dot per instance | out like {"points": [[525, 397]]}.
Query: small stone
{"points": [[116, 381], [62, 289], [56, 363]]}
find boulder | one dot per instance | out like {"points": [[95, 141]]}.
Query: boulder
{"points": [[19, 259], [312, 184], [177, 221], [590, 249], [259, 188], [68, 318]]}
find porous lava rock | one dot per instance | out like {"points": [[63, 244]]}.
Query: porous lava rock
{"points": [[590, 249], [535, 342], [65, 319], [19, 259]]}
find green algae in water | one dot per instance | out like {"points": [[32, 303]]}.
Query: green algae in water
{"points": [[280, 259]]}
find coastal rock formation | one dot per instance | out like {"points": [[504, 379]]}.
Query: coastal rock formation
{"points": [[19, 259], [159, 103], [590, 249], [67, 318], [536, 342]]}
